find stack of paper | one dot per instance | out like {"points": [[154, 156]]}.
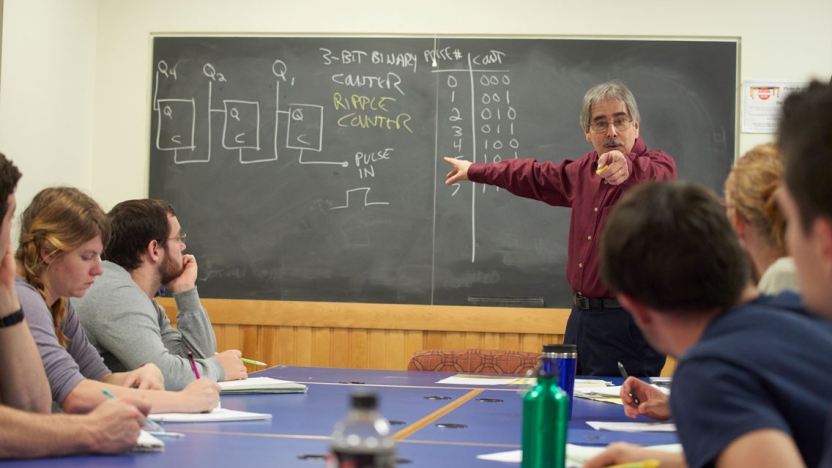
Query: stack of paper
{"points": [[261, 385]]}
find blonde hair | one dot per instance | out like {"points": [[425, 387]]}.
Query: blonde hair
{"points": [[58, 220], [751, 188]]}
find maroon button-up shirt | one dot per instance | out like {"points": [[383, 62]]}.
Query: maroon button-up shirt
{"points": [[575, 184]]}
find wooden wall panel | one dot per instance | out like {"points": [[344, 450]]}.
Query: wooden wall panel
{"points": [[372, 336]]}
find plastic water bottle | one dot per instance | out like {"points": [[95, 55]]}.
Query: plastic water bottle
{"points": [[362, 439], [545, 420]]}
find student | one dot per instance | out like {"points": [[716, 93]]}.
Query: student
{"points": [[750, 191], [123, 320], [27, 430], [743, 393], [805, 138], [591, 185], [63, 232]]}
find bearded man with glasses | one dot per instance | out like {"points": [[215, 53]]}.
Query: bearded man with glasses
{"points": [[603, 331], [123, 321]]}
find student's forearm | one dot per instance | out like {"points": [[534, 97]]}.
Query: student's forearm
{"points": [[87, 395], [29, 435], [23, 383]]}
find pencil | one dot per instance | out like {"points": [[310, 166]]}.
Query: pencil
{"points": [[252, 361], [642, 464], [602, 169]]}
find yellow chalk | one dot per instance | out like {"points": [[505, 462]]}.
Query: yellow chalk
{"points": [[602, 169]]}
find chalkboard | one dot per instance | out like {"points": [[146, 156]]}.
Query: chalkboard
{"points": [[310, 168]]}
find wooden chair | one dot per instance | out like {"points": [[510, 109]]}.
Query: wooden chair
{"points": [[478, 361]]}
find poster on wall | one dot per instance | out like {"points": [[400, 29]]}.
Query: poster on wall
{"points": [[761, 101]]}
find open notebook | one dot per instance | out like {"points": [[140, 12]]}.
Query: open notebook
{"points": [[261, 385], [147, 443]]}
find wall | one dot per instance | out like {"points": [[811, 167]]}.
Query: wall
{"points": [[48, 92]]}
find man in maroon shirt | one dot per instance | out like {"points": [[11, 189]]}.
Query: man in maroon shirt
{"points": [[603, 331]]}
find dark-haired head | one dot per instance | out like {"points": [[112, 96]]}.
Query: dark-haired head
{"points": [[670, 246]]}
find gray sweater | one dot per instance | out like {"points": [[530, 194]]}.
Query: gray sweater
{"points": [[129, 329]]}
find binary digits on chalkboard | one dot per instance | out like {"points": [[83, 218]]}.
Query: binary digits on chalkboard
{"points": [[310, 168]]}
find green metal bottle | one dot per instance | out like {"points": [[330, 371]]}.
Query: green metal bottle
{"points": [[545, 420]]}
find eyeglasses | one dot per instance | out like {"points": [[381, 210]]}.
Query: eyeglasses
{"points": [[620, 125], [181, 237]]}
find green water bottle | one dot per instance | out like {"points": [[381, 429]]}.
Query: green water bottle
{"points": [[545, 420]]}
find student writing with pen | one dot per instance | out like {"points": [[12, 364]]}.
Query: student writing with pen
{"points": [[62, 234], [741, 394], [122, 319]]}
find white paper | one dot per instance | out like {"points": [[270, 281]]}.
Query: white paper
{"points": [[218, 415], [576, 455], [512, 456], [599, 391], [477, 381], [585, 383], [259, 383], [148, 443], [632, 426], [488, 380], [762, 102]]}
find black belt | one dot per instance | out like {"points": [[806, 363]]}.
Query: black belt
{"points": [[589, 303]]}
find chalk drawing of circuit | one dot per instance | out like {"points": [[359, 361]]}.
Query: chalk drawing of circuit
{"points": [[176, 124]]}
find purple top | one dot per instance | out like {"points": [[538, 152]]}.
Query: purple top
{"points": [[65, 367], [575, 184]]}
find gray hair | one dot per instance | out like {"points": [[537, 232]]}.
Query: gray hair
{"points": [[615, 90]]}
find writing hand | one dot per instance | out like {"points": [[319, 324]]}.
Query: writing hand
{"points": [[654, 403], [201, 396], [232, 365], [114, 425], [617, 168], [459, 172]]}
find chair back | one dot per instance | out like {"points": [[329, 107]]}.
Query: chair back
{"points": [[477, 361]]}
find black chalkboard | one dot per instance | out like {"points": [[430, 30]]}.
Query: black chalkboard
{"points": [[310, 168]]}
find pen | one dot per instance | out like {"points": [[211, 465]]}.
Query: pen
{"points": [[252, 361], [193, 364], [652, 463], [166, 434], [149, 421], [624, 374]]}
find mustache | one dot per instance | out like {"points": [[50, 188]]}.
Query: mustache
{"points": [[610, 143]]}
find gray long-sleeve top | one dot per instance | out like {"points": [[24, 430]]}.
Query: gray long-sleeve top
{"points": [[129, 329], [65, 367]]}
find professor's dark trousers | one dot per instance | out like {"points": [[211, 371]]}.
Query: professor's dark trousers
{"points": [[606, 336]]}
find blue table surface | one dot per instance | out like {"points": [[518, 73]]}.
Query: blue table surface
{"points": [[490, 421]]}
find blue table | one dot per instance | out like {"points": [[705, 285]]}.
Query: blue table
{"points": [[487, 419]]}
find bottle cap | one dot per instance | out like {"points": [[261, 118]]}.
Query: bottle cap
{"points": [[560, 348], [364, 400]]}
